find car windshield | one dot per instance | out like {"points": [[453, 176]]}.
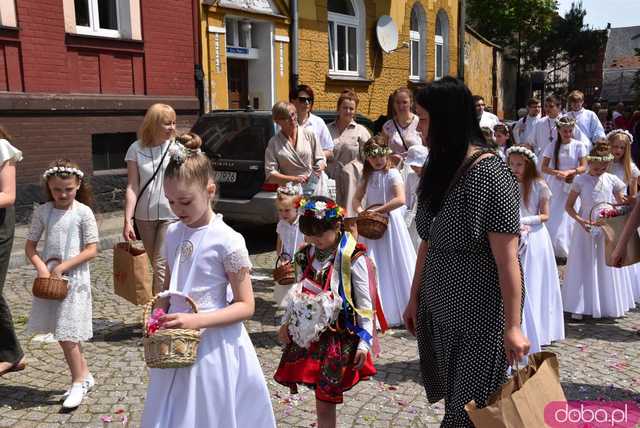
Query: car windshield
{"points": [[237, 136]]}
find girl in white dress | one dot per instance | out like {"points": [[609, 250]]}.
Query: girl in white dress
{"points": [[626, 170], [71, 240], [290, 239], [543, 301], [563, 161], [225, 387], [393, 254], [590, 286], [416, 159], [503, 139]]}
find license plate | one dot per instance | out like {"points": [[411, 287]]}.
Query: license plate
{"points": [[225, 176]]}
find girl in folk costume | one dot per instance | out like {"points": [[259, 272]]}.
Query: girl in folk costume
{"points": [[543, 301], [563, 161], [626, 170], [225, 386], [329, 353], [394, 254], [590, 286], [416, 159], [503, 139], [71, 237], [290, 239]]}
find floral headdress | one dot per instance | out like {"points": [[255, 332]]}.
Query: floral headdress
{"points": [[565, 122], [621, 131], [606, 158], [290, 189], [320, 210], [179, 152], [377, 151], [520, 150], [61, 171]]}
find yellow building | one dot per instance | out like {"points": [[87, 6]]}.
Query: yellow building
{"points": [[246, 49]]}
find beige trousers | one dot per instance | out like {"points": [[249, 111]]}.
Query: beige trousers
{"points": [[152, 233]]}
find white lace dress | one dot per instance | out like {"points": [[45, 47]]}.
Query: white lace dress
{"points": [[225, 387], [69, 232]]}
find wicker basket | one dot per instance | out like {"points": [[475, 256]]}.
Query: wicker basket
{"points": [[50, 288], [372, 224], [170, 348], [284, 273]]}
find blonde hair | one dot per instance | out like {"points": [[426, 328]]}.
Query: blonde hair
{"points": [[153, 119], [84, 193], [286, 201], [195, 167], [576, 96], [378, 141], [280, 110], [626, 158]]}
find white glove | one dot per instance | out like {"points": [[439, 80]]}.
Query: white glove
{"points": [[531, 220]]}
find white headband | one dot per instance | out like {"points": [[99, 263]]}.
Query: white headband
{"points": [[620, 131], [607, 158], [62, 170], [519, 150]]}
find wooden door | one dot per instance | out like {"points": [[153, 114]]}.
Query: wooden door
{"points": [[238, 78]]}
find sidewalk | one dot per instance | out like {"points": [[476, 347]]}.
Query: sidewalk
{"points": [[110, 231]]}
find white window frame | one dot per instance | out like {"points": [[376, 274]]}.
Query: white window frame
{"points": [[347, 21], [94, 19], [441, 40], [417, 35], [234, 30]]}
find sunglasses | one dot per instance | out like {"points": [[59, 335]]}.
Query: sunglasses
{"points": [[306, 100]]}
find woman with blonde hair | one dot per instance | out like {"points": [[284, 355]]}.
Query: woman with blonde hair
{"points": [[146, 208], [402, 130]]}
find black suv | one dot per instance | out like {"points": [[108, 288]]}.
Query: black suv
{"points": [[235, 141]]}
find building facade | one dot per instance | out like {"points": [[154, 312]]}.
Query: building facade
{"points": [[621, 65], [78, 76], [247, 47]]}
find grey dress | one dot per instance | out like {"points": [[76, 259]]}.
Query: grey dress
{"points": [[460, 318]]}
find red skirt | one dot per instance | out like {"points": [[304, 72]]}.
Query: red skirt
{"points": [[327, 366]]}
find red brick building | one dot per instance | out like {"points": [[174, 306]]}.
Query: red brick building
{"points": [[76, 77]]}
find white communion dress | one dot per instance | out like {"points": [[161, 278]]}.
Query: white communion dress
{"points": [[393, 254], [560, 225], [225, 387], [590, 286], [541, 278]]}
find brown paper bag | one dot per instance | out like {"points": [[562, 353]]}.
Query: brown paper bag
{"points": [[521, 402], [132, 278], [612, 229]]}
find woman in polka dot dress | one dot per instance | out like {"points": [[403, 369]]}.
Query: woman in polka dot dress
{"points": [[467, 291]]}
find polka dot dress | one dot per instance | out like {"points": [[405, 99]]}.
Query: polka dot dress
{"points": [[460, 313]]}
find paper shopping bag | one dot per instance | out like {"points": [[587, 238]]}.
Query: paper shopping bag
{"points": [[132, 277], [612, 228], [521, 402]]}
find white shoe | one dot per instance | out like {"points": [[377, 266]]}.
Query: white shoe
{"points": [[76, 395], [88, 383]]}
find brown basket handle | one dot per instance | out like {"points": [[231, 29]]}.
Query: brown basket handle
{"points": [[149, 307], [599, 204], [373, 206], [282, 256]]}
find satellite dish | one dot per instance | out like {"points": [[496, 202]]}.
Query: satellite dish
{"points": [[387, 33]]}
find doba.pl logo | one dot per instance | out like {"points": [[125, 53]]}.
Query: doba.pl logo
{"points": [[592, 414]]}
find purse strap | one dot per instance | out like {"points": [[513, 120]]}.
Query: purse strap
{"points": [[462, 170], [146, 185], [400, 133]]}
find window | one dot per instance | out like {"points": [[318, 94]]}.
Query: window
{"points": [[442, 45], [108, 150], [238, 33], [417, 40], [346, 42], [97, 17]]}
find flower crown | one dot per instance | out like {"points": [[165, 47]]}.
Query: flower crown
{"points": [[520, 150], [290, 189], [621, 131], [62, 170], [377, 151], [179, 152], [606, 158], [565, 122], [320, 210]]}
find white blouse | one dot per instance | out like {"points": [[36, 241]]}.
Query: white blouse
{"points": [[290, 235]]}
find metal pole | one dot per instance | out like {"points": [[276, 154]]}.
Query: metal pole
{"points": [[294, 43]]}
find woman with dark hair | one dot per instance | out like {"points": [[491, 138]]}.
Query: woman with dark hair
{"points": [[467, 291]]}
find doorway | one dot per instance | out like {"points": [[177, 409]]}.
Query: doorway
{"points": [[238, 83]]}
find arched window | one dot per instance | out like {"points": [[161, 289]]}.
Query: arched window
{"points": [[417, 30], [442, 45], [346, 37]]}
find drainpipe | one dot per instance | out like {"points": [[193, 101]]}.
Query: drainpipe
{"points": [[294, 43], [462, 23], [197, 63]]}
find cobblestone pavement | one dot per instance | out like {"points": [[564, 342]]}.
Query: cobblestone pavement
{"points": [[599, 359]]}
